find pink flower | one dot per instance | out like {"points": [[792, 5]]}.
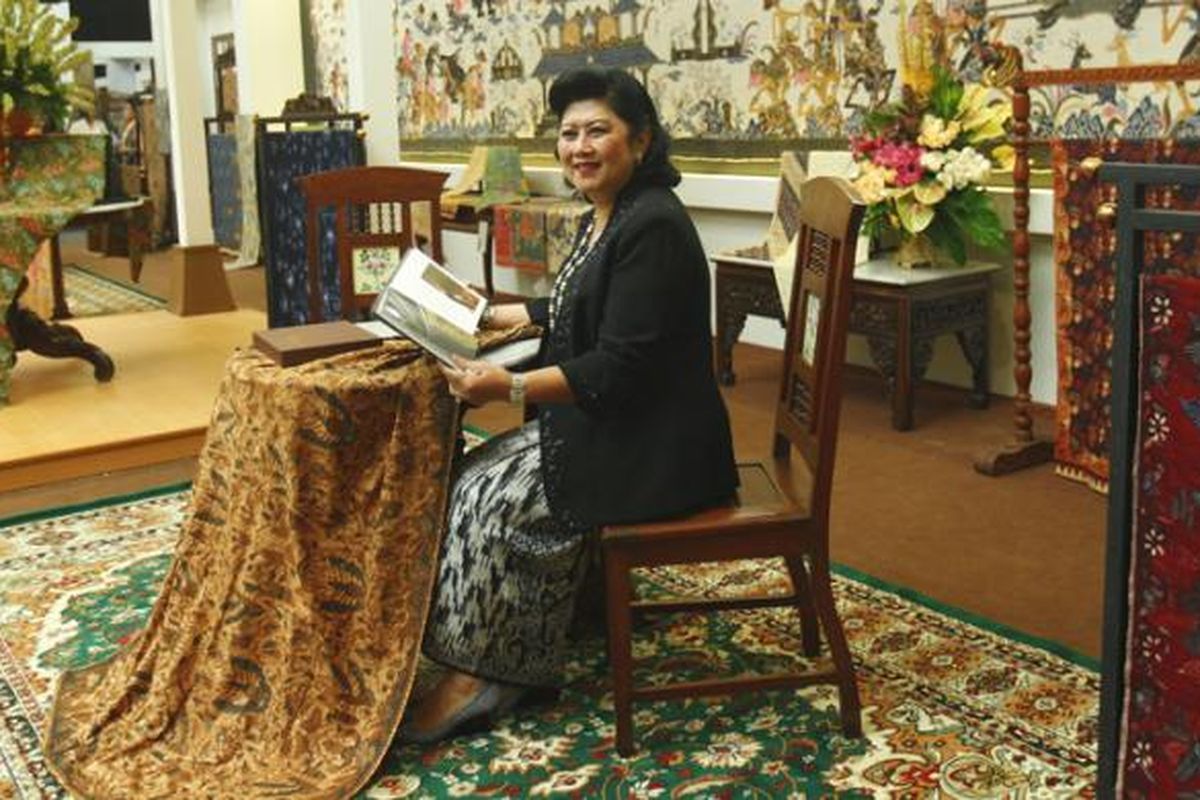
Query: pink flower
{"points": [[897, 156], [865, 146], [903, 158]]}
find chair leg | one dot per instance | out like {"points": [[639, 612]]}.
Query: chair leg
{"points": [[620, 650], [848, 701], [810, 631]]}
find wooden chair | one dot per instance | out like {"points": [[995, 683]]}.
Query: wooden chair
{"points": [[764, 521], [373, 208]]}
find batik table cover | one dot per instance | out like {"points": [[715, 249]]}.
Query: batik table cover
{"points": [[1160, 743], [1085, 258], [280, 654], [51, 179]]}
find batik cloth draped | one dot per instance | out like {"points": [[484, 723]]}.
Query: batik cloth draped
{"points": [[225, 184], [280, 653], [38, 296], [1160, 743], [537, 235], [1085, 259], [51, 179], [286, 156], [247, 163]]}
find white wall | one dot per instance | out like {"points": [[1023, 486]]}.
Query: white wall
{"points": [[270, 54], [126, 64], [734, 211], [215, 18]]}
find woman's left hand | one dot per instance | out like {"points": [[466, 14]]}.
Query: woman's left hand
{"points": [[477, 382]]}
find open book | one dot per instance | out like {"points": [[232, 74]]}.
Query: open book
{"points": [[424, 301]]}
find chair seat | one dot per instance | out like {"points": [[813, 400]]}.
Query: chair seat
{"points": [[759, 500]]}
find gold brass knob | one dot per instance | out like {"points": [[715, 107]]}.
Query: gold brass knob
{"points": [[1090, 164], [1107, 212]]}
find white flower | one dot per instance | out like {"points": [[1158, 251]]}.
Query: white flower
{"points": [[566, 782], [964, 168], [1157, 426], [1160, 310], [728, 750], [522, 754], [644, 788], [394, 786], [462, 789], [932, 161], [1155, 541]]}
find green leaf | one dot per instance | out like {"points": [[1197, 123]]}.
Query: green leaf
{"points": [[947, 91], [945, 238]]}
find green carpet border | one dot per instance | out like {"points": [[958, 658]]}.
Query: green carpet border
{"points": [[912, 595], [971, 618], [119, 284], [102, 502]]}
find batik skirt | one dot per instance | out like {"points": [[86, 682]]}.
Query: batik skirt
{"points": [[510, 570]]}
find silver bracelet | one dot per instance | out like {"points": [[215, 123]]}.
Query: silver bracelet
{"points": [[489, 314], [516, 389]]}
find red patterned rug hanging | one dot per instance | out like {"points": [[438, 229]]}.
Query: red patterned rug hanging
{"points": [[1160, 743]]}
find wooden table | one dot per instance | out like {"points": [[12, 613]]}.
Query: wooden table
{"points": [[900, 311], [135, 214]]}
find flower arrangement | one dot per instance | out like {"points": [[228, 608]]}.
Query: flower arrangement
{"points": [[921, 164], [36, 53]]}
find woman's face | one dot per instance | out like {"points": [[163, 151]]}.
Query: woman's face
{"points": [[596, 151]]}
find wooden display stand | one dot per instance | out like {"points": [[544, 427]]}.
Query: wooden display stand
{"points": [[1025, 449]]}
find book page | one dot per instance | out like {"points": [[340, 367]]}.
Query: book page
{"points": [[433, 287]]}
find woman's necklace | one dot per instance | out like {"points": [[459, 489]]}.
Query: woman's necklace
{"points": [[591, 234]]}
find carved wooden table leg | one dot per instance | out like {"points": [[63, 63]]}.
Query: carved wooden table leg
{"points": [[974, 345], [30, 332], [731, 319], [741, 291]]}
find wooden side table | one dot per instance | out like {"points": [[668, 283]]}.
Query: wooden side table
{"points": [[134, 214], [900, 311]]}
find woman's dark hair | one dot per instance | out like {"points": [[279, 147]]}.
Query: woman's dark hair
{"points": [[628, 99]]}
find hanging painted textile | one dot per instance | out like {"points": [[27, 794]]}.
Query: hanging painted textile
{"points": [[285, 156], [225, 189]]}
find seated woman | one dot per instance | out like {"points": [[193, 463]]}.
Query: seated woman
{"points": [[630, 425]]}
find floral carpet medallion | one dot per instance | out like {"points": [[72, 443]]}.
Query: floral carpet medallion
{"points": [[950, 709]]}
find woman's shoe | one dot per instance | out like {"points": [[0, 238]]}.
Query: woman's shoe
{"points": [[494, 700]]}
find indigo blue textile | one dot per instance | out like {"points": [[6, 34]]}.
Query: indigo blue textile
{"points": [[225, 190], [283, 158]]}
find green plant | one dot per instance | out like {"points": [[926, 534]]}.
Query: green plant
{"points": [[36, 54]]}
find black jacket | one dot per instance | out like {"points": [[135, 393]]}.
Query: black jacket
{"points": [[648, 436]]}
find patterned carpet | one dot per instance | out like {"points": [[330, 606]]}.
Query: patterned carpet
{"points": [[92, 295], [951, 709]]}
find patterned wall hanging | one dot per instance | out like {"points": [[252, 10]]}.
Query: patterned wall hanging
{"points": [[1160, 750], [740, 77], [283, 157], [1085, 256]]}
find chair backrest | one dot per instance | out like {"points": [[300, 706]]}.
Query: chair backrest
{"points": [[810, 393], [373, 227]]}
